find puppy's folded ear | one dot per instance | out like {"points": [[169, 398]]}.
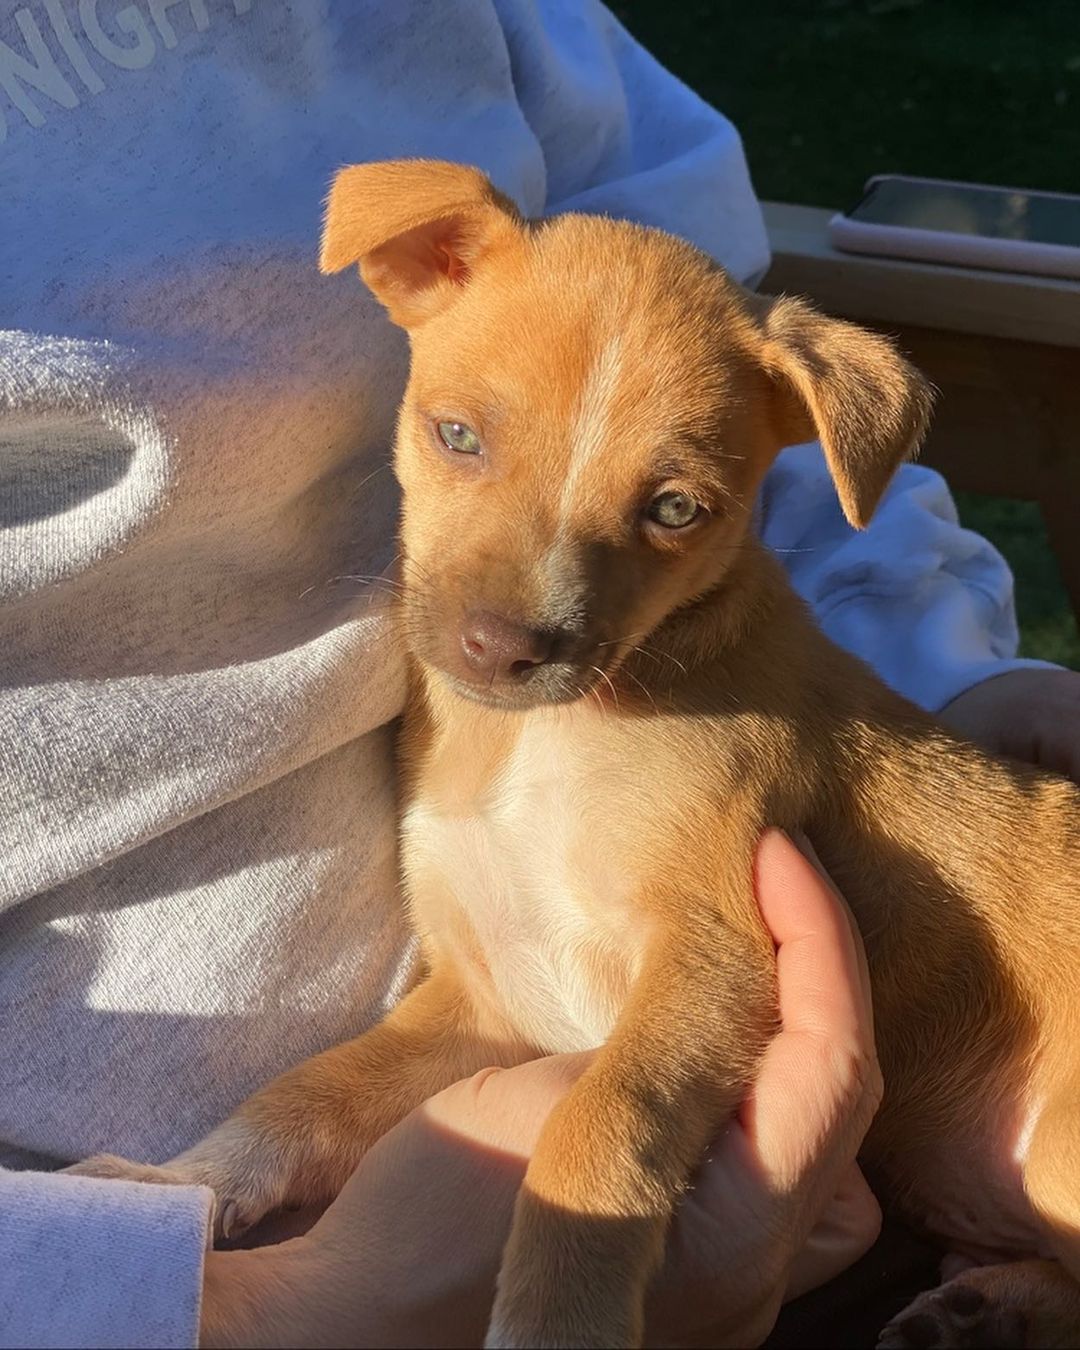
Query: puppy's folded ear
{"points": [[851, 389], [417, 227]]}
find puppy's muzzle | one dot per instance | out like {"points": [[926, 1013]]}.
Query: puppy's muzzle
{"points": [[497, 650]]}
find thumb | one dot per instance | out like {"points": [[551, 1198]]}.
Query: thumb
{"points": [[847, 1229]]}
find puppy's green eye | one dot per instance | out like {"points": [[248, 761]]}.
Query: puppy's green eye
{"points": [[674, 510], [457, 436]]}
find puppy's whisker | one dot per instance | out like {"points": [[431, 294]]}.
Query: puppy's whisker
{"points": [[373, 579], [644, 689], [394, 587], [644, 651], [607, 678], [614, 642], [373, 474], [593, 692], [424, 572], [657, 652]]}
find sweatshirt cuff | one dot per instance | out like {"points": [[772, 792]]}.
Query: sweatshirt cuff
{"points": [[85, 1262]]}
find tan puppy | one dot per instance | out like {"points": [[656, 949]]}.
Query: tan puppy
{"points": [[614, 692]]}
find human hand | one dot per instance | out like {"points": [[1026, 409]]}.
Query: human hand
{"points": [[1031, 715], [780, 1205], [408, 1254]]}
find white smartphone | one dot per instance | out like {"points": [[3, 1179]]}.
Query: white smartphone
{"points": [[965, 224]]}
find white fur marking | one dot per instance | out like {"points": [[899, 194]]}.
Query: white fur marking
{"points": [[589, 430], [559, 972], [588, 436]]}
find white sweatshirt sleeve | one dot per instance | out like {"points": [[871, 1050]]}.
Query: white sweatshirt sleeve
{"points": [[622, 136], [928, 604], [100, 1263], [925, 602]]}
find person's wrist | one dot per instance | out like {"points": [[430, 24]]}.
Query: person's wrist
{"points": [[250, 1297]]}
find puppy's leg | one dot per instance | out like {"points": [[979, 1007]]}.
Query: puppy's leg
{"points": [[297, 1140], [1005, 1307], [1052, 1165], [1025, 1303], [593, 1211]]}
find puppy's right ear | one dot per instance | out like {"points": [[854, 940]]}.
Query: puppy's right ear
{"points": [[417, 227]]}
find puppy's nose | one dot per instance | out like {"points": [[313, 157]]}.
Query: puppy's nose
{"points": [[500, 649]]}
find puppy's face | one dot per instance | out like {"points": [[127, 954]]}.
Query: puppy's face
{"points": [[590, 411], [578, 449]]}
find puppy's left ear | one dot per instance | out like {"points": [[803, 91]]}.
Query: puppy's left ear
{"points": [[852, 390], [417, 227]]}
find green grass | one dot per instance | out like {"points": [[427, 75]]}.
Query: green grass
{"points": [[828, 92], [1047, 627]]}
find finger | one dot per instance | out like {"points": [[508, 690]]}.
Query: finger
{"points": [[1053, 747], [809, 1112], [846, 1230], [806, 848], [818, 1085], [823, 985], [506, 1109]]}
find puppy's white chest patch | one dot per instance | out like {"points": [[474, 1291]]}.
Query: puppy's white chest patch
{"points": [[520, 896]]}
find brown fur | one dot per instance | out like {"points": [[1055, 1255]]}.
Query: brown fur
{"points": [[691, 703]]}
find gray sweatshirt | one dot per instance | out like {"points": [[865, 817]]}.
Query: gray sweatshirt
{"points": [[197, 682]]}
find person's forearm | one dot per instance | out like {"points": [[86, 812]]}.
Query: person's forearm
{"points": [[655, 152], [249, 1298], [294, 1293]]}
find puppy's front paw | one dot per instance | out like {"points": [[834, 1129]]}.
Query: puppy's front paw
{"points": [[112, 1168], [233, 1213]]}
